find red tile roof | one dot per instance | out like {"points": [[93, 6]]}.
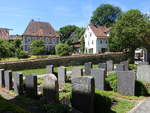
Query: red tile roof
{"points": [[100, 31], [40, 29], [4, 33]]}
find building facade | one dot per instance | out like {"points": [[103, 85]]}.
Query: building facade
{"points": [[40, 31], [96, 39]]}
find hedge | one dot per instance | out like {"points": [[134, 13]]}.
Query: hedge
{"points": [[65, 61]]}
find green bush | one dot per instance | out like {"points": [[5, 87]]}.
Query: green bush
{"points": [[56, 108], [132, 66], [21, 54], [63, 49], [140, 89], [111, 81]]}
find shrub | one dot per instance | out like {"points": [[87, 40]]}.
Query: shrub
{"points": [[140, 89], [21, 54], [111, 81], [62, 49], [38, 47]]}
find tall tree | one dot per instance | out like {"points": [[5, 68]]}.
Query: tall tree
{"points": [[129, 32], [105, 15]]}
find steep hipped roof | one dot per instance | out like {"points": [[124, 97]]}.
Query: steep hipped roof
{"points": [[4, 33], [100, 31], [40, 29]]}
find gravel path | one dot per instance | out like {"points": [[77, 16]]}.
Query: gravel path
{"points": [[142, 107]]}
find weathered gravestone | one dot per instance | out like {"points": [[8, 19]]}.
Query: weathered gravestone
{"points": [[143, 63], [88, 67], [120, 67], [110, 65], [50, 88], [8, 79], [143, 73], [83, 90], [2, 80], [99, 77], [50, 69], [103, 65], [31, 86], [18, 83], [126, 83], [77, 72], [126, 63], [62, 74]]}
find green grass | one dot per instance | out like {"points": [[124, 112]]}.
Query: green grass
{"points": [[6, 106]]}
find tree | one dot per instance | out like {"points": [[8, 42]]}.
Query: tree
{"points": [[66, 31], [105, 15], [37, 47], [63, 49], [129, 32]]}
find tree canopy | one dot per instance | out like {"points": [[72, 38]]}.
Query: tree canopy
{"points": [[105, 15], [129, 32]]}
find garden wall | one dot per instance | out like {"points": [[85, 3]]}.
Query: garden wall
{"points": [[65, 61]]}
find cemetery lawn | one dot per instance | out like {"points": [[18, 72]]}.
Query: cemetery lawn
{"points": [[6, 106]]}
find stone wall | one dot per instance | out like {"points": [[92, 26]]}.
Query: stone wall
{"points": [[65, 61]]}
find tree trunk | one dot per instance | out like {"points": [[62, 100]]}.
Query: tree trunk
{"points": [[131, 55]]}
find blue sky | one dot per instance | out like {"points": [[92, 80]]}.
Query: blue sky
{"points": [[16, 14]]}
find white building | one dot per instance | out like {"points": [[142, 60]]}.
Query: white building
{"points": [[96, 39]]}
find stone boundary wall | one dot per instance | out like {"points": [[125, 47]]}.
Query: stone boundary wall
{"points": [[117, 57]]}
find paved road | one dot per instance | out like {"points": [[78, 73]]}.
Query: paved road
{"points": [[142, 107]]}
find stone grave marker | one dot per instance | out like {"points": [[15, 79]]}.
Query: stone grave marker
{"points": [[99, 77], [77, 72], [62, 74], [31, 86], [88, 67], [8, 79], [126, 63], [83, 90], [103, 65], [18, 83], [126, 83], [50, 88], [110, 65], [2, 80], [143, 73], [120, 67], [50, 69]]}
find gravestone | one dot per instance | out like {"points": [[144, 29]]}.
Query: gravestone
{"points": [[143, 63], [103, 65], [50, 69], [2, 80], [110, 65], [31, 86], [143, 73], [83, 90], [77, 72], [50, 88], [88, 67], [62, 74], [18, 83], [126, 63], [126, 83], [8, 79], [99, 77], [120, 67]]}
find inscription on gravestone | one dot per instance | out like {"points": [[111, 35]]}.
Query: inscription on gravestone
{"points": [[50, 69], [83, 90], [99, 77], [31, 86], [126, 83], [62, 74], [77, 72], [18, 83], [50, 88], [8, 79], [2, 80], [88, 67]]}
